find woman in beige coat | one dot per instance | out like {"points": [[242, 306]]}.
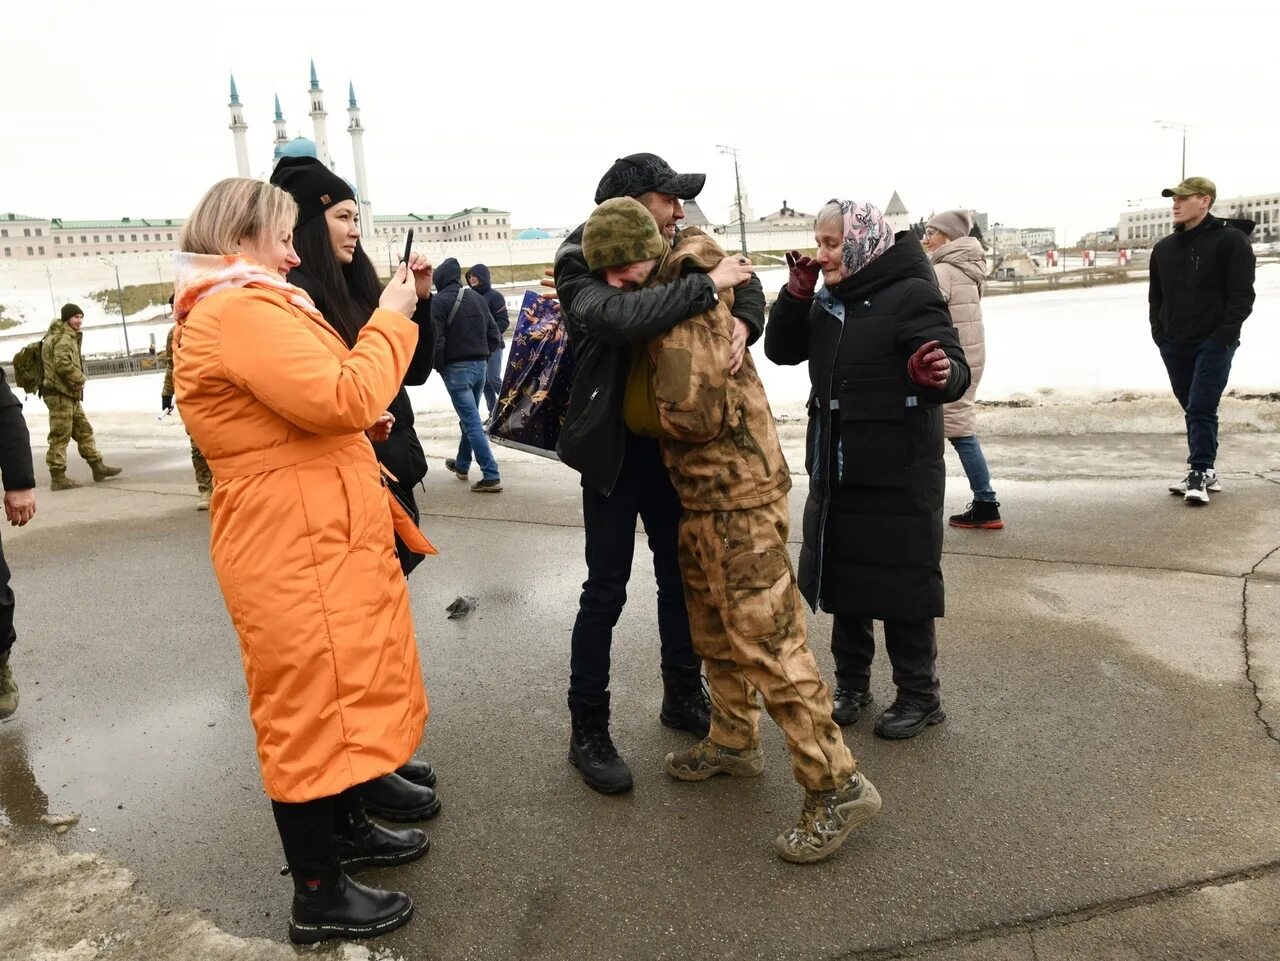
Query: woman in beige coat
{"points": [[961, 266]]}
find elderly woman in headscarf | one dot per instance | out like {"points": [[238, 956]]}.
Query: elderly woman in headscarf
{"points": [[883, 358]]}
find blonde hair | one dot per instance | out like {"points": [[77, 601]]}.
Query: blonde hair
{"points": [[234, 209]]}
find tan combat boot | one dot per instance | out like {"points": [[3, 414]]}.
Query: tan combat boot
{"points": [[101, 471], [8, 689], [707, 758], [206, 498], [827, 819], [59, 481]]}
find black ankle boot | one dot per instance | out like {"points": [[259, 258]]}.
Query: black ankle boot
{"points": [[686, 706], [419, 772], [344, 909], [905, 719], [847, 704], [592, 752], [363, 844], [395, 799]]}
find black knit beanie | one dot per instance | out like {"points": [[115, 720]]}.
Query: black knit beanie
{"points": [[314, 186], [69, 311]]}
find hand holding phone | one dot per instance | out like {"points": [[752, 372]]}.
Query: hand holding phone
{"points": [[408, 246]]}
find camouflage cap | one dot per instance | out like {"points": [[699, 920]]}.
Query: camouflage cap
{"points": [[620, 232], [1192, 186]]}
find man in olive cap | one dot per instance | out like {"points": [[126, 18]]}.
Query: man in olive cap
{"points": [[62, 392], [1201, 291], [623, 478]]}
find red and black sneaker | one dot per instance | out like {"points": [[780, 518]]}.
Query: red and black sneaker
{"points": [[980, 515]]}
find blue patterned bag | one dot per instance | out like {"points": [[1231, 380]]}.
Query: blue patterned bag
{"points": [[535, 387]]}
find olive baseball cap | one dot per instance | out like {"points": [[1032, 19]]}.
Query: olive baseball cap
{"points": [[1192, 186]]}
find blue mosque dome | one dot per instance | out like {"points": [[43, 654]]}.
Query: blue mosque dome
{"points": [[533, 233], [297, 147]]}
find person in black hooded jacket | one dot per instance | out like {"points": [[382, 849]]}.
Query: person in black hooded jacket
{"points": [[883, 358], [479, 279], [1201, 293], [341, 281]]}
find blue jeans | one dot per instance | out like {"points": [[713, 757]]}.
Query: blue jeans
{"points": [[465, 380], [493, 380], [1198, 373], [975, 467]]}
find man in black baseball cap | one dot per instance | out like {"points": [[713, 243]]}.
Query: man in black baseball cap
{"points": [[623, 476]]}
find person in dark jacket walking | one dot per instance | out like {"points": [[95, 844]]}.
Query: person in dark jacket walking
{"points": [[479, 280], [623, 477], [1201, 293], [883, 357], [340, 279], [19, 478], [466, 337]]}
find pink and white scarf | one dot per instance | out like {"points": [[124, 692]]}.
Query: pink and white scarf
{"points": [[866, 234], [197, 276]]}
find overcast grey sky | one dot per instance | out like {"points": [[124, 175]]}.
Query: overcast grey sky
{"points": [[1041, 114]]}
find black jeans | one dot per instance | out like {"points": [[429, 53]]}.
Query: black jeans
{"points": [[309, 835], [643, 490], [7, 633], [1198, 373], [912, 648]]}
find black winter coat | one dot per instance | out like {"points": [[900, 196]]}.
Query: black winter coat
{"points": [[497, 303], [604, 326], [472, 334], [15, 442], [1202, 282], [873, 520], [401, 453]]}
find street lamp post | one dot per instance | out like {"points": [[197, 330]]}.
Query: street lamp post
{"points": [[1174, 125], [123, 324], [737, 183]]}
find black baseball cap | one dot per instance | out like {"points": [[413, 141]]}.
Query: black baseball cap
{"points": [[640, 173]]}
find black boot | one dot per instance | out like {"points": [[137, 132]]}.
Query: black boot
{"points": [[344, 909], [686, 706], [847, 705], [419, 772], [592, 752], [905, 719], [980, 515], [395, 799], [363, 844]]}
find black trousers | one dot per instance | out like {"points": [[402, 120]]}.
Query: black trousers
{"points": [[913, 651], [309, 835], [643, 491], [7, 634]]}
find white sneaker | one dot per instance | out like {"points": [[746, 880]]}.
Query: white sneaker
{"points": [[1211, 483], [1197, 488]]}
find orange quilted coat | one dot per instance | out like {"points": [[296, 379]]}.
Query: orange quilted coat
{"points": [[302, 533]]}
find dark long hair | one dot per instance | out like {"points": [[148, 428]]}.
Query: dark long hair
{"points": [[345, 294]]}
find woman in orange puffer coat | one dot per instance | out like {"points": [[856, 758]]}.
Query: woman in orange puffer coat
{"points": [[302, 541]]}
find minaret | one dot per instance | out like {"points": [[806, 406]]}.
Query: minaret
{"points": [[317, 118], [357, 152], [282, 135], [238, 128]]}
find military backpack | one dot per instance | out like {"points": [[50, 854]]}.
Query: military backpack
{"points": [[28, 368]]}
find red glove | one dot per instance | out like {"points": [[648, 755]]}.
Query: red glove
{"points": [[929, 367], [804, 275]]}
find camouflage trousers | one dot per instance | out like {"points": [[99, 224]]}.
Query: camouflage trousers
{"points": [[204, 476], [748, 624], [68, 422]]}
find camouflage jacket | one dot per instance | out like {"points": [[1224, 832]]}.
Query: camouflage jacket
{"points": [[721, 446], [63, 366], [167, 389]]}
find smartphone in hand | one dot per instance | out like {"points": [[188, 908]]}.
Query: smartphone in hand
{"points": [[408, 246]]}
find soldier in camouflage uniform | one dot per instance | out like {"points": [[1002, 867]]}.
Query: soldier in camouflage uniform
{"points": [[720, 445], [63, 388], [204, 476]]}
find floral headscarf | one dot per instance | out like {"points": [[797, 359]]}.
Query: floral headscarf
{"points": [[866, 234]]}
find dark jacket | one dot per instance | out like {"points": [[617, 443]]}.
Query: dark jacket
{"points": [[472, 334], [1202, 282], [401, 453], [873, 520], [497, 303], [15, 442], [604, 325]]}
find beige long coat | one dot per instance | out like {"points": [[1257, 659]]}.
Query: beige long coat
{"points": [[961, 266]]}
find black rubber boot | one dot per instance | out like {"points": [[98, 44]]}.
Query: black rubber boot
{"points": [[363, 844], [592, 752], [686, 706], [393, 798], [344, 909]]}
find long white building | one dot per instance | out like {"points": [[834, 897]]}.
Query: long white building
{"points": [[1142, 228]]}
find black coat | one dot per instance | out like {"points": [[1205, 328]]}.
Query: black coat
{"points": [[401, 453], [605, 324], [15, 442], [873, 520], [473, 333], [497, 303], [1202, 282]]}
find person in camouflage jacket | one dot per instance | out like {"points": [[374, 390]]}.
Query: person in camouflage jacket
{"points": [[62, 392], [720, 445], [204, 476]]}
